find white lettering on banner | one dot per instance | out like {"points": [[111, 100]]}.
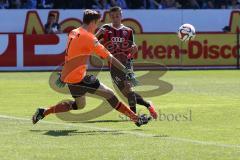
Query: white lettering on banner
{"points": [[3, 43], [202, 52], [52, 49], [20, 51], [156, 40]]}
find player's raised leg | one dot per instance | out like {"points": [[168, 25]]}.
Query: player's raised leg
{"points": [[109, 95], [148, 105]]}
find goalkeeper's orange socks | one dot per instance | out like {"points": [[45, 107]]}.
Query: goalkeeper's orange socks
{"points": [[126, 111], [61, 107]]}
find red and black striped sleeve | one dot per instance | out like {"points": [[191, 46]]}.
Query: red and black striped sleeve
{"points": [[100, 36], [131, 36]]}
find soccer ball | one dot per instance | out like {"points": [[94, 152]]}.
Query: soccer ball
{"points": [[186, 32]]}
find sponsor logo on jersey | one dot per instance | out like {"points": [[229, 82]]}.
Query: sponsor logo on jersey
{"points": [[117, 39]]}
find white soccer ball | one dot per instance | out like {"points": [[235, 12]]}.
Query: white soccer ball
{"points": [[186, 32]]}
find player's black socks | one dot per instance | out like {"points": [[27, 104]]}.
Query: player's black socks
{"points": [[141, 101], [120, 107], [132, 101]]}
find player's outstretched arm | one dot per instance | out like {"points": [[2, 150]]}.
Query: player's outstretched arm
{"points": [[100, 50], [100, 33], [129, 73], [113, 61]]}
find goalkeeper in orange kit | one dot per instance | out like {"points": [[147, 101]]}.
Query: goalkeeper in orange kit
{"points": [[81, 45]]}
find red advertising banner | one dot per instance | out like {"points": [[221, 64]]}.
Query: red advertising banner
{"points": [[33, 50]]}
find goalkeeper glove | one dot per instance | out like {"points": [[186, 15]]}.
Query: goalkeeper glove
{"points": [[59, 83], [131, 77]]}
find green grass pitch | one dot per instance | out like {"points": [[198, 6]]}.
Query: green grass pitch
{"points": [[207, 104]]}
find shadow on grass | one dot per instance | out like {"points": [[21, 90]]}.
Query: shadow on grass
{"points": [[59, 133], [103, 121]]}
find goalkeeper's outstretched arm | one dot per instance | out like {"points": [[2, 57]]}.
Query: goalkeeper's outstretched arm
{"points": [[113, 61]]}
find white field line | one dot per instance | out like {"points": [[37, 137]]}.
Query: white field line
{"points": [[208, 143]]}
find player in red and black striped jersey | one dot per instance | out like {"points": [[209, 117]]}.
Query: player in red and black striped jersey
{"points": [[119, 40]]}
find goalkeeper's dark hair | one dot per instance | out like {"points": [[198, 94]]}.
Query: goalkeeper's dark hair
{"points": [[90, 15], [115, 8]]}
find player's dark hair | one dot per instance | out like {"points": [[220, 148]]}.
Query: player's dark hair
{"points": [[115, 8], [90, 15], [51, 15]]}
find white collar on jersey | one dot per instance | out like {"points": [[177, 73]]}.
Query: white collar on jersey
{"points": [[121, 26]]}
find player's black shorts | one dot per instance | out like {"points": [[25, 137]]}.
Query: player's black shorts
{"points": [[89, 84], [119, 77]]}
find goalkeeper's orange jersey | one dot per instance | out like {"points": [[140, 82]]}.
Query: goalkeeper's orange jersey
{"points": [[81, 45]]}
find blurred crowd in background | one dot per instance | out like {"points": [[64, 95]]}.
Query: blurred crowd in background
{"points": [[125, 4]]}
